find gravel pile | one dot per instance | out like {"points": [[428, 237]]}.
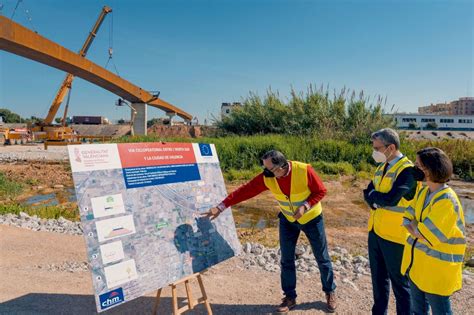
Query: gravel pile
{"points": [[15, 153], [67, 266], [23, 220], [347, 268]]}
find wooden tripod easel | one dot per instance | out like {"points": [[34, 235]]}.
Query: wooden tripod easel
{"points": [[191, 302]]}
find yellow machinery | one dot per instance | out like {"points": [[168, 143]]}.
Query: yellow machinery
{"points": [[15, 135], [18, 40], [46, 130]]}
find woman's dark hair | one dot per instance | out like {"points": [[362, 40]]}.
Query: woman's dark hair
{"points": [[437, 163], [278, 159]]}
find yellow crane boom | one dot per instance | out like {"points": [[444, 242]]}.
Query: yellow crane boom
{"points": [[66, 85]]}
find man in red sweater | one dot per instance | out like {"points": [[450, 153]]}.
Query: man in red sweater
{"points": [[298, 191]]}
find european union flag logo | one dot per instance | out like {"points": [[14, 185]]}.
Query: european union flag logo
{"points": [[205, 149]]}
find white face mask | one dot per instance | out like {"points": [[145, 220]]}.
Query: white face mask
{"points": [[379, 157]]}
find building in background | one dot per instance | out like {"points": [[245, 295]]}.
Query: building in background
{"points": [[432, 121], [227, 108], [437, 109], [462, 106], [90, 120]]}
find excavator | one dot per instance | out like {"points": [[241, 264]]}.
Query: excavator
{"points": [[45, 130]]}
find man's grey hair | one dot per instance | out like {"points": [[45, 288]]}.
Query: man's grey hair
{"points": [[387, 136], [278, 159]]}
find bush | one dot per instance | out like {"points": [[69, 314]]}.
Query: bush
{"points": [[461, 153], [431, 125], [243, 153], [316, 114]]}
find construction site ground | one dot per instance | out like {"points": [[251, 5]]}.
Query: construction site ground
{"points": [[26, 288]]}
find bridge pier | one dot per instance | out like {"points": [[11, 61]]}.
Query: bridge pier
{"points": [[170, 116], [139, 119]]}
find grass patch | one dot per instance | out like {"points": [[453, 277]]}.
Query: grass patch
{"points": [[45, 212], [328, 168], [238, 175], [8, 188]]}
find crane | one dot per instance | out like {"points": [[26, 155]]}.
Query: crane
{"points": [[46, 130]]}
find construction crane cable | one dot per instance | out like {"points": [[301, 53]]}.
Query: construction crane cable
{"points": [[27, 13], [28, 17], [111, 30], [111, 44], [14, 10]]}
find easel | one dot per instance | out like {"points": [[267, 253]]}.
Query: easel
{"points": [[191, 302]]}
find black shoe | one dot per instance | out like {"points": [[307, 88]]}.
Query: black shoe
{"points": [[286, 305]]}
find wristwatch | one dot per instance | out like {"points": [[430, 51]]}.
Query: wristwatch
{"points": [[221, 207]]}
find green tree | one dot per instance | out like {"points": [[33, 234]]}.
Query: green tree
{"points": [[431, 125], [412, 125], [34, 119], [9, 116]]}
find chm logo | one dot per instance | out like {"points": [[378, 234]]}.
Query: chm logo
{"points": [[111, 298]]}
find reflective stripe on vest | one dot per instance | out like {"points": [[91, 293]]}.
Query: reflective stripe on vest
{"points": [[435, 264], [456, 208], [299, 193], [441, 237], [411, 211], [395, 209], [387, 221], [434, 253]]}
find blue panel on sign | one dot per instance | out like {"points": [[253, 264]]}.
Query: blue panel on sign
{"points": [[111, 298], [159, 175], [205, 149]]}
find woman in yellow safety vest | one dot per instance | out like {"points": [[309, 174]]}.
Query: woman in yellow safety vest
{"points": [[434, 250]]}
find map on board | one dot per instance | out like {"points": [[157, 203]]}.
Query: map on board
{"points": [[140, 206]]}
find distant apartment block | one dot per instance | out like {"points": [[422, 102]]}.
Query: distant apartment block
{"points": [[442, 122], [462, 106], [227, 108]]}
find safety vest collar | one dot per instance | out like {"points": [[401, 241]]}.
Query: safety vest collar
{"points": [[389, 178]]}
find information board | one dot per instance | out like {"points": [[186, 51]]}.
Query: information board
{"points": [[140, 206]]}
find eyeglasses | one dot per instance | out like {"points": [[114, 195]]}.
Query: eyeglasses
{"points": [[275, 168], [378, 148]]}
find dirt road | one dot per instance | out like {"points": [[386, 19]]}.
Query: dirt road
{"points": [[30, 286]]}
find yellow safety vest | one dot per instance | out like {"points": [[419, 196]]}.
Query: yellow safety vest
{"points": [[298, 194], [435, 265], [387, 221]]}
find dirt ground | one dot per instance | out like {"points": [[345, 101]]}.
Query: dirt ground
{"points": [[28, 287], [344, 210]]}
